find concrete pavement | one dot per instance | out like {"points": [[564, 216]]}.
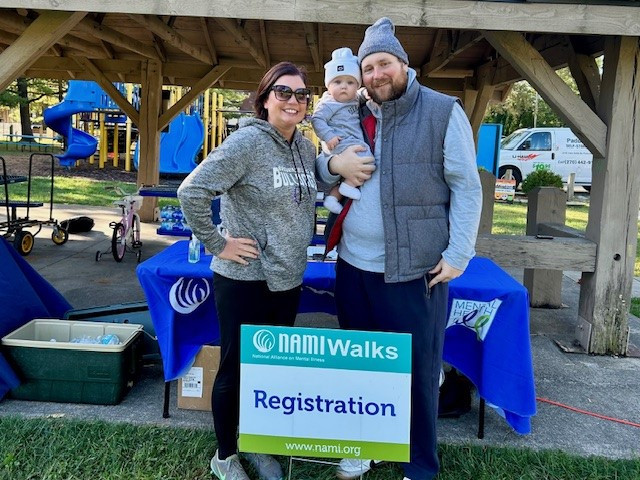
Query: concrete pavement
{"points": [[604, 385]]}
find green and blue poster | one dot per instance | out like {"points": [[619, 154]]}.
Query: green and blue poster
{"points": [[325, 393]]}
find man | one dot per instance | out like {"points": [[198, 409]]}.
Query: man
{"points": [[413, 229]]}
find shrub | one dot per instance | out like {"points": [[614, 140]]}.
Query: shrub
{"points": [[541, 178]]}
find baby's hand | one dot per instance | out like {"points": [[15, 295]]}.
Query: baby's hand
{"points": [[333, 143]]}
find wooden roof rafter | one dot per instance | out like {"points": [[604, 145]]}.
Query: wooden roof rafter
{"points": [[171, 36], [265, 42], [243, 38]]}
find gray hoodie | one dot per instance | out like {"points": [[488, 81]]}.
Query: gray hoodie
{"points": [[268, 190]]}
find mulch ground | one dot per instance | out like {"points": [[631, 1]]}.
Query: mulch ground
{"points": [[18, 164]]}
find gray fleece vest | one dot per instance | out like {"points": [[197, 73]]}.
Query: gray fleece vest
{"points": [[413, 191]]}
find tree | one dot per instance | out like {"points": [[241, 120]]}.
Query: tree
{"points": [[27, 92], [519, 109]]}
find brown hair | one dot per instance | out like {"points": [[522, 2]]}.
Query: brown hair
{"points": [[269, 79]]}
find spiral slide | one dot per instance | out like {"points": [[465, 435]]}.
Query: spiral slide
{"points": [[80, 98]]}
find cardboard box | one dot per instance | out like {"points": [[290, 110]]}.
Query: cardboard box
{"points": [[194, 388]]}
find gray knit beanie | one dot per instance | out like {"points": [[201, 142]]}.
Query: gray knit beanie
{"points": [[380, 37]]}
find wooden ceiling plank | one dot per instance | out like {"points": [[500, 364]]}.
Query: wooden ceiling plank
{"points": [[532, 66], [36, 39], [110, 35], [108, 87], [463, 42], [265, 43], [214, 75], [243, 38], [208, 37], [172, 37]]}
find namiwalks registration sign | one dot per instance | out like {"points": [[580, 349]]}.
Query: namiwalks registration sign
{"points": [[325, 393]]}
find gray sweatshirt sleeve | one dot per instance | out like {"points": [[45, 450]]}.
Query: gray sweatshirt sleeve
{"points": [[461, 174], [320, 121], [222, 168]]}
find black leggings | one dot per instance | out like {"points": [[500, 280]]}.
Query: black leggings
{"points": [[241, 302]]}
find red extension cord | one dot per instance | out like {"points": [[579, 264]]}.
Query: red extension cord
{"points": [[597, 415]]}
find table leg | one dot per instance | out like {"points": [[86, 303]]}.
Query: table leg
{"points": [[167, 394], [481, 418]]}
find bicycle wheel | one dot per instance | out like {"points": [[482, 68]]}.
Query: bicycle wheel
{"points": [[118, 242]]}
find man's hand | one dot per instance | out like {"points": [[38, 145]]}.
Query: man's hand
{"points": [[351, 166], [238, 248], [444, 273], [333, 143]]}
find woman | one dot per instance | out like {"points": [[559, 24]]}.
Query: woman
{"points": [[265, 173]]}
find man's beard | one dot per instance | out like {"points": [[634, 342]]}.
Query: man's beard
{"points": [[397, 90]]}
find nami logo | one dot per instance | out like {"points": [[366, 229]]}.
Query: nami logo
{"points": [[477, 316], [264, 341], [187, 295]]}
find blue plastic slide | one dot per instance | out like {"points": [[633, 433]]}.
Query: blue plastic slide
{"points": [[81, 97], [180, 145]]}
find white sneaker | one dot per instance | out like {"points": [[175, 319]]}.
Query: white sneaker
{"points": [[267, 467], [228, 469], [332, 204], [353, 467]]}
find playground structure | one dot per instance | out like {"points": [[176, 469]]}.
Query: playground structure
{"points": [[86, 105]]}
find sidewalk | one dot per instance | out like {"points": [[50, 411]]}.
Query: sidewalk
{"points": [[604, 385]]}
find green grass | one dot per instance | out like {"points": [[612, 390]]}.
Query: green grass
{"points": [[75, 191], [635, 307], [47, 449]]}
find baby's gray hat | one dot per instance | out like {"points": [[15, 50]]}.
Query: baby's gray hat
{"points": [[380, 37]]}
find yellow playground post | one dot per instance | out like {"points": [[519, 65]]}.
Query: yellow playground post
{"points": [[116, 153], [205, 120], [127, 141], [214, 119], [103, 143], [220, 120]]}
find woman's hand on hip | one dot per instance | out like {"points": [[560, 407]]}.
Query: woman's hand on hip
{"points": [[352, 166], [237, 249]]}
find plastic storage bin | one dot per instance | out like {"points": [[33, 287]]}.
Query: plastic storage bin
{"points": [[127, 313], [51, 368]]}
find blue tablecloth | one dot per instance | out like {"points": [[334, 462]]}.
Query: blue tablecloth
{"points": [[487, 337], [25, 295]]}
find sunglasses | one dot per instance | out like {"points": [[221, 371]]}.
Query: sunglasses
{"points": [[283, 93]]}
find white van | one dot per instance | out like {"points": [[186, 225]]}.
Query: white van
{"points": [[555, 149]]}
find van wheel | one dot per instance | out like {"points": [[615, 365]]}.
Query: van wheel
{"points": [[515, 173]]}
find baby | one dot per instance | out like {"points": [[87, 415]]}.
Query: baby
{"points": [[336, 120]]}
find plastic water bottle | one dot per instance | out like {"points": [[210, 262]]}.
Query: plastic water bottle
{"points": [[194, 249]]}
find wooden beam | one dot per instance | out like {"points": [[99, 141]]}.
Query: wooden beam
{"points": [[528, 61], [112, 91], [110, 35], [461, 43], [312, 43], [586, 74], [208, 36], [615, 197], [265, 42], [524, 251], [38, 37], [172, 37], [16, 24], [485, 94], [243, 38], [207, 81], [149, 134], [598, 19]]}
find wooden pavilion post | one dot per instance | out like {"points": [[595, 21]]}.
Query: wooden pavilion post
{"points": [[149, 135], [613, 213]]}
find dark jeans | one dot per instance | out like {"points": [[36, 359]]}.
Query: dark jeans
{"points": [[241, 302], [366, 302]]}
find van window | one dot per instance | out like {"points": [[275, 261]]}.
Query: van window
{"points": [[539, 141], [510, 142]]}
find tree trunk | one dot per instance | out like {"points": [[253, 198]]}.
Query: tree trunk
{"points": [[25, 116]]}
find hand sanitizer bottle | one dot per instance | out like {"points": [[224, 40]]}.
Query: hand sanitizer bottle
{"points": [[194, 249]]}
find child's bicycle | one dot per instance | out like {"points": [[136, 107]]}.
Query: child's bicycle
{"points": [[126, 232]]}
